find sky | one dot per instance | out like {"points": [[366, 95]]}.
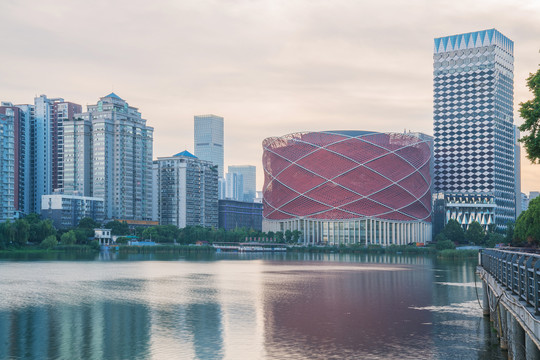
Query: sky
{"points": [[269, 67]]}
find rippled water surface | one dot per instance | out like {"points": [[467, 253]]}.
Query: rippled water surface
{"points": [[283, 306]]}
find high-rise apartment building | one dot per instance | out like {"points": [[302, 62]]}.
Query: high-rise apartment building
{"points": [[473, 124], [209, 140], [42, 150], [29, 198], [62, 111], [21, 153], [188, 191], [7, 166], [47, 137], [77, 164], [111, 145], [249, 175]]}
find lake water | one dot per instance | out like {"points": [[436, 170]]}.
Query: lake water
{"points": [[258, 306]]}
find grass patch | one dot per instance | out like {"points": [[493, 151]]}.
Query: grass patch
{"points": [[457, 254]]}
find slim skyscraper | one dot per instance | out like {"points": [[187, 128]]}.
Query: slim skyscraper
{"points": [[209, 140], [473, 126]]}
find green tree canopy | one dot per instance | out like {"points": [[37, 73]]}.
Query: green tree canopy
{"points": [[475, 233], [68, 238], [7, 234], [288, 236], [510, 226], [454, 232], [494, 239], [527, 228], [442, 242], [88, 223], [49, 242], [40, 229], [22, 231], [118, 227], [530, 112]]}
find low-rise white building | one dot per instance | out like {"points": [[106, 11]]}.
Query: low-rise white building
{"points": [[66, 211]]}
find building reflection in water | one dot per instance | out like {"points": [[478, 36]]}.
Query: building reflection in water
{"points": [[296, 306], [362, 311], [58, 332]]}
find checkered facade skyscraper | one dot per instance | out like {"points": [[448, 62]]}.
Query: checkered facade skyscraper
{"points": [[473, 120]]}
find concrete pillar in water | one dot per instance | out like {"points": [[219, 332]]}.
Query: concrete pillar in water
{"points": [[485, 302], [503, 335], [516, 341], [531, 350]]}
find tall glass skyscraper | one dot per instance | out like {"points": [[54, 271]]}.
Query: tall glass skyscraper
{"points": [[473, 126], [248, 173], [209, 140]]}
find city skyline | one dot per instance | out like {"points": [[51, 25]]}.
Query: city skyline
{"points": [[299, 67]]}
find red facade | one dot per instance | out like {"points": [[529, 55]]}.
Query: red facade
{"points": [[347, 174]]}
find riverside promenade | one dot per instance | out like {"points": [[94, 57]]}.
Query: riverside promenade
{"points": [[511, 285]]}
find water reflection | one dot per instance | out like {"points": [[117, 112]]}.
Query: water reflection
{"points": [[365, 314], [102, 330], [259, 306]]}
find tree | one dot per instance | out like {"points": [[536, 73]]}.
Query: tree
{"points": [[118, 227], [510, 231], [49, 242], [82, 235], [122, 240], [442, 242], [271, 235], [88, 223], [7, 233], [530, 112], [68, 238], [475, 233], [288, 236], [279, 237], [39, 229], [296, 235], [22, 231], [494, 239], [527, 228], [454, 232]]}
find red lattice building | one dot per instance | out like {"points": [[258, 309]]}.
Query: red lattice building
{"points": [[344, 187]]}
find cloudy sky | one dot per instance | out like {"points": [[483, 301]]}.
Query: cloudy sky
{"points": [[269, 67]]}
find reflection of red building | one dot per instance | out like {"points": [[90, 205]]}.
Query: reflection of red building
{"points": [[349, 186]]}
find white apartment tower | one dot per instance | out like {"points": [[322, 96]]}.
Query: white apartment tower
{"points": [[111, 145], [188, 191], [7, 166]]}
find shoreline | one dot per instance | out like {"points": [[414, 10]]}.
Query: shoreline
{"points": [[172, 249]]}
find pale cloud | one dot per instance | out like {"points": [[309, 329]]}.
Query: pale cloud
{"points": [[269, 67]]}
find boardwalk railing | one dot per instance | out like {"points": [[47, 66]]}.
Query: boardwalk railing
{"points": [[519, 272]]}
